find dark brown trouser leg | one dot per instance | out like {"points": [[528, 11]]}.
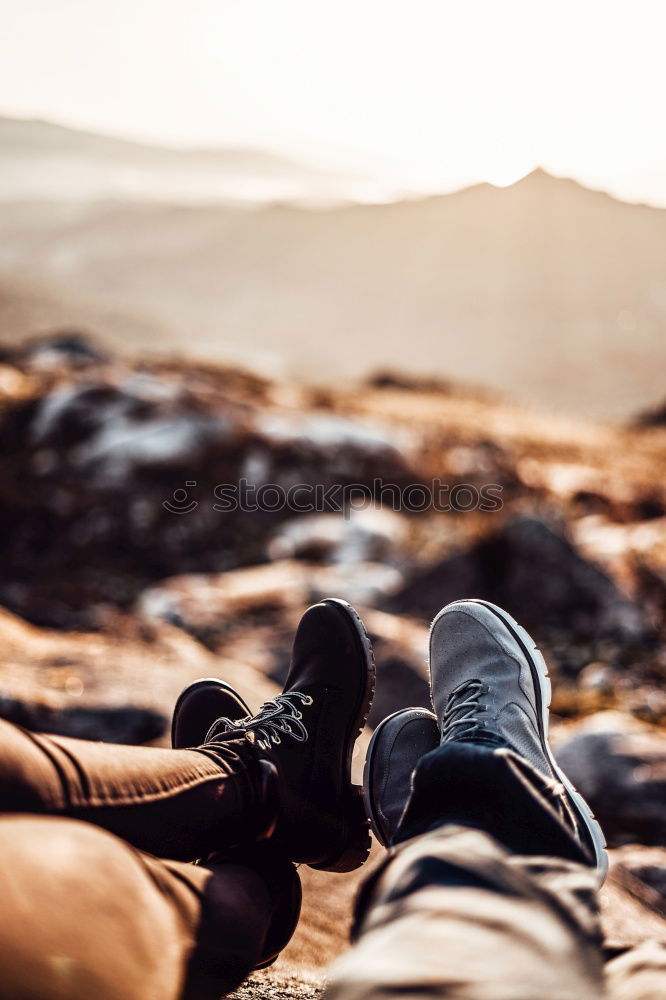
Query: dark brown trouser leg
{"points": [[84, 916], [174, 803]]}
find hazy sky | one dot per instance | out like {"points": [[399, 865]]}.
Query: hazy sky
{"points": [[426, 93]]}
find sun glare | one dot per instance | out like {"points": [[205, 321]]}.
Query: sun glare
{"points": [[504, 175], [444, 96]]}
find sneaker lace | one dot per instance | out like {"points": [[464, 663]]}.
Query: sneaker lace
{"points": [[462, 708], [278, 717]]}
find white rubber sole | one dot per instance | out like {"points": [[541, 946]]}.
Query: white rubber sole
{"points": [[542, 685]]}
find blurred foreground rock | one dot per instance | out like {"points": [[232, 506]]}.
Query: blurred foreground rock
{"points": [[534, 571], [209, 605], [122, 724], [119, 684], [619, 766], [108, 475], [642, 872]]}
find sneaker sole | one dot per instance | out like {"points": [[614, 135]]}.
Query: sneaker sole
{"points": [[356, 843], [368, 795], [542, 687]]}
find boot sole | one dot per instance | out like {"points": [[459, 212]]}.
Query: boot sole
{"points": [[355, 845], [542, 688]]}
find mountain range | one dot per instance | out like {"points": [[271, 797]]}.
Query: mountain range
{"points": [[545, 290]]}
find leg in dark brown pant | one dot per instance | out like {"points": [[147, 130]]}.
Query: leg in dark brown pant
{"points": [[84, 915], [174, 803]]}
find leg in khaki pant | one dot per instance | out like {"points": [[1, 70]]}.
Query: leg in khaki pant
{"points": [[453, 914], [489, 887]]}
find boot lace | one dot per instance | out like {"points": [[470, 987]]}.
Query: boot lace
{"points": [[462, 709], [278, 717]]}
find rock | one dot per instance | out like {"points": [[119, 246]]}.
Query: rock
{"points": [[86, 469], [627, 921], [278, 986], [619, 765], [401, 657], [607, 539], [387, 379], [15, 385], [642, 872], [89, 684], [109, 432], [629, 552], [366, 584], [209, 605], [532, 569], [59, 348], [111, 479], [590, 490], [371, 535], [128, 724], [339, 436], [655, 417]]}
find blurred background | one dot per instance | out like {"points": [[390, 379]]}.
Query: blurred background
{"points": [[324, 244], [471, 189]]}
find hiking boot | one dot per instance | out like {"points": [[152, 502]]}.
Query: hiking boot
{"points": [[308, 732], [396, 747], [199, 705], [211, 701], [491, 692]]}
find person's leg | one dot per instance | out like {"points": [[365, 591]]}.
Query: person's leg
{"points": [[85, 915], [452, 914], [285, 771], [639, 974], [174, 803], [116, 923], [489, 892]]}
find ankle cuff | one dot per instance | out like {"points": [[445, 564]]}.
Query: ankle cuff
{"points": [[494, 790]]}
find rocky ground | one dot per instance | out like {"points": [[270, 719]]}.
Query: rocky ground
{"points": [[115, 593]]}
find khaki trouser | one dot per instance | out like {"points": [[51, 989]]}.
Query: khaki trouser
{"points": [[452, 914]]}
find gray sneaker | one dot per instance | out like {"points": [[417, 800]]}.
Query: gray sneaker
{"points": [[490, 687], [396, 747]]}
